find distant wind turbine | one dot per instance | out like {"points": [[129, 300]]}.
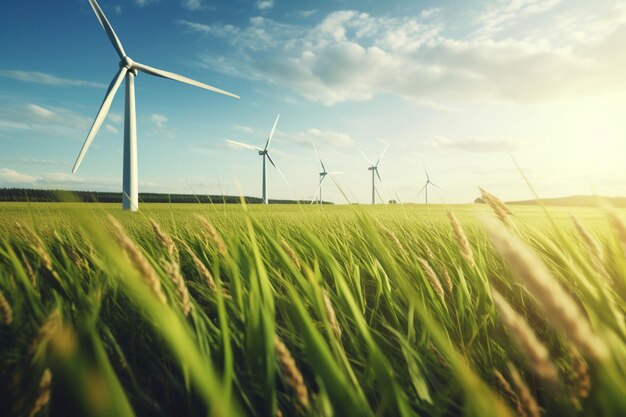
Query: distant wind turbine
{"points": [[323, 175], [425, 187], [374, 169], [265, 153], [128, 71]]}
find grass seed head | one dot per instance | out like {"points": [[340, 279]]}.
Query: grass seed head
{"points": [[589, 240], [201, 267], [509, 393], [534, 350], [172, 269], [43, 397], [499, 208], [212, 234], [527, 400], [461, 240], [292, 374], [6, 310], [165, 240], [558, 306], [432, 278], [138, 259], [291, 253], [330, 313]]}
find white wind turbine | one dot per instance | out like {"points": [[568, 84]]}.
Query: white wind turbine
{"points": [[374, 169], [128, 71], [425, 187], [266, 155], [323, 175]]}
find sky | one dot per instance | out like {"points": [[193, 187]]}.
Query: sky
{"points": [[466, 89]]}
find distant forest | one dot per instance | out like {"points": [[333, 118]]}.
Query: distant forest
{"points": [[29, 195]]}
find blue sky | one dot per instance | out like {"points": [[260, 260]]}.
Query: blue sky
{"points": [[453, 85]]}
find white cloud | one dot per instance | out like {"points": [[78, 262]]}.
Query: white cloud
{"points": [[48, 120], [142, 3], [505, 12], [35, 161], [245, 129], [317, 137], [476, 145], [352, 56], [159, 120], [11, 176], [303, 14], [115, 117], [40, 111], [111, 129], [265, 4], [192, 4], [47, 79]]}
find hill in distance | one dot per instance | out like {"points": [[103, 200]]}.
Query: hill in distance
{"points": [[571, 201]]}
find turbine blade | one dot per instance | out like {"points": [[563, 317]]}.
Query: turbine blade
{"points": [[102, 114], [420, 191], [365, 156], [318, 156], [170, 75], [432, 183], [277, 169], [318, 190], [426, 171], [382, 155], [104, 22], [244, 145], [269, 139], [378, 175]]}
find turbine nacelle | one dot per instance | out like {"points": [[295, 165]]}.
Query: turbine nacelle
{"points": [[129, 64], [263, 152]]}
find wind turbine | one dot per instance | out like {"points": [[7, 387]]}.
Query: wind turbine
{"points": [[374, 169], [128, 71], [266, 155], [323, 175], [428, 182]]}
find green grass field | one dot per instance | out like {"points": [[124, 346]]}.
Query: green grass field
{"points": [[314, 311]]}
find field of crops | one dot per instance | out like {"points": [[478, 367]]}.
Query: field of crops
{"points": [[311, 311]]}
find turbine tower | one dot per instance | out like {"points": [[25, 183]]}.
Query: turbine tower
{"points": [[323, 175], [128, 71], [374, 169], [266, 155], [425, 187]]}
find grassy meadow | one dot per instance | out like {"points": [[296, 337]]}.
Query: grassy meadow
{"points": [[312, 311]]}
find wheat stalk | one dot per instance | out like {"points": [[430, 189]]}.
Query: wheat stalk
{"points": [[165, 240], [432, 278], [511, 395], [7, 311], [558, 306], [43, 396], [291, 253], [461, 240], [138, 259], [590, 241], [212, 234], [499, 208], [580, 378], [330, 313], [172, 269], [527, 400], [534, 350], [291, 372], [394, 238]]}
